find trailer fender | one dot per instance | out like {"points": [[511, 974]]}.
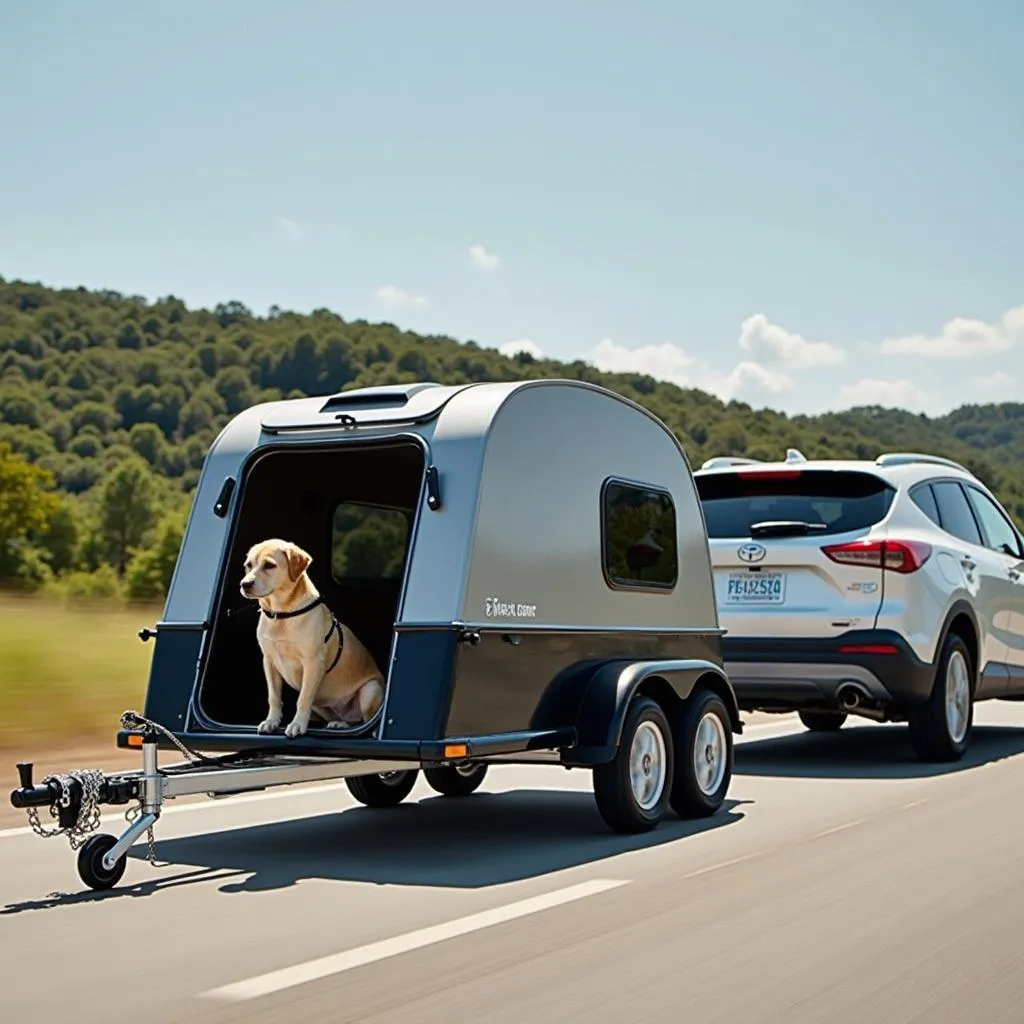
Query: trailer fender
{"points": [[611, 687]]}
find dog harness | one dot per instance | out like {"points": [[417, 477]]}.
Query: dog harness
{"points": [[335, 627]]}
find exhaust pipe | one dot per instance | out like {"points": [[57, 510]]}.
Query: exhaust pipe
{"points": [[853, 699], [850, 695]]}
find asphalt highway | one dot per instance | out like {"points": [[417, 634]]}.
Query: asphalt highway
{"points": [[843, 882]]}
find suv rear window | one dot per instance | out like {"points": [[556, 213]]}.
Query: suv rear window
{"points": [[836, 501]]}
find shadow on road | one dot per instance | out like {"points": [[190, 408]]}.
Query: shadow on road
{"points": [[487, 839], [868, 752]]}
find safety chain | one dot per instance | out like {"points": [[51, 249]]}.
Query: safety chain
{"points": [[90, 780], [133, 720], [130, 815]]}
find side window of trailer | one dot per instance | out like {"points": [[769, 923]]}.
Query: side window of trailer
{"points": [[368, 542], [638, 543]]}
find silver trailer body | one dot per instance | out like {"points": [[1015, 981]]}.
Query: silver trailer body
{"points": [[528, 563], [507, 582]]}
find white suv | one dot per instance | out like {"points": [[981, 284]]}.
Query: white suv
{"points": [[891, 589]]}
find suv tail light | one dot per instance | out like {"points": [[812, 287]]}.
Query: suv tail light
{"points": [[894, 555]]}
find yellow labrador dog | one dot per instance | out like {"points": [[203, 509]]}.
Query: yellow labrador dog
{"points": [[304, 644]]}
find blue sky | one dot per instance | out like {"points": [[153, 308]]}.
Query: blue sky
{"points": [[798, 204]]}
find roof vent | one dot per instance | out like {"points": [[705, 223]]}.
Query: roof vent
{"points": [[375, 397]]}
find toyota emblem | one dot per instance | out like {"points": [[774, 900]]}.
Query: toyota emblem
{"points": [[752, 553]]}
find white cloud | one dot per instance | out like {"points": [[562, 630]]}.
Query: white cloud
{"points": [[1013, 323], [394, 296], [752, 378], [671, 363], [902, 394], [962, 338], [665, 362], [510, 348], [482, 259], [291, 229], [996, 386], [771, 343]]}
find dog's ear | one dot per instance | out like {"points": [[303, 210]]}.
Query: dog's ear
{"points": [[298, 561]]}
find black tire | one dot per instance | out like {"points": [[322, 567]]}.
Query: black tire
{"points": [[613, 790], [930, 732], [388, 789], [90, 862], [823, 721], [693, 796], [455, 780]]}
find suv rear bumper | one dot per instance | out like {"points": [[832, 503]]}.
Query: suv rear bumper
{"points": [[776, 673]]}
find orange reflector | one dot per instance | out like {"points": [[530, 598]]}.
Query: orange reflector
{"points": [[134, 739], [455, 750]]}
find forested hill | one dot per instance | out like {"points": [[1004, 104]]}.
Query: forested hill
{"points": [[89, 377]]}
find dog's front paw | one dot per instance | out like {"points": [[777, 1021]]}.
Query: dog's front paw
{"points": [[296, 727], [269, 724]]}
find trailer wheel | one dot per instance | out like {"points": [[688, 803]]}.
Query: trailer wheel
{"points": [[388, 789], [455, 779], [704, 755], [632, 790], [90, 862]]}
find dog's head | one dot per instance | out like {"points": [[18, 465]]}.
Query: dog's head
{"points": [[272, 565]]}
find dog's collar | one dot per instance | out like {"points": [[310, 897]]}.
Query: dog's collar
{"points": [[290, 615]]}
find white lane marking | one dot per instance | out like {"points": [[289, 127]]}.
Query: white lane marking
{"points": [[723, 864], [915, 803], [312, 970], [848, 824], [111, 818]]}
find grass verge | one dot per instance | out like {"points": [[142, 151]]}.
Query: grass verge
{"points": [[68, 671]]}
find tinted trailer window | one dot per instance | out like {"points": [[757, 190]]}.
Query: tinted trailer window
{"points": [[828, 501]]}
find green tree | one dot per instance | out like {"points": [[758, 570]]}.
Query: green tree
{"points": [[148, 441], [60, 538], [27, 507], [129, 502], [150, 571]]}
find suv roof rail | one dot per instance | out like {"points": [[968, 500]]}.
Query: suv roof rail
{"points": [[910, 458], [720, 461]]}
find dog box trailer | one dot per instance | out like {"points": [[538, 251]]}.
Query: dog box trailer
{"points": [[528, 564]]}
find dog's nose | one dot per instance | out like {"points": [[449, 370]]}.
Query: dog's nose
{"points": [[248, 584]]}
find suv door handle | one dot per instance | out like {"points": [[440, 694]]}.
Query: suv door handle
{"points": [[968, 563], [1014, 574]]}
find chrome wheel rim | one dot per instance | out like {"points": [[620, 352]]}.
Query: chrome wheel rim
{"points": [[391, 778], [958, 697], [466, 769], [710, 747], [647, 765]]}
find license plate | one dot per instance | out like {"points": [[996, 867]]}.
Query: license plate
{"points": [[755, 588]]}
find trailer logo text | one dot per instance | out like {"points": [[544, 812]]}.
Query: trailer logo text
{"points": [[502, 610]]}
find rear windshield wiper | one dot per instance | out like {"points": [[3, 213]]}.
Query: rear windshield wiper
{"points": [[785, 528]]}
